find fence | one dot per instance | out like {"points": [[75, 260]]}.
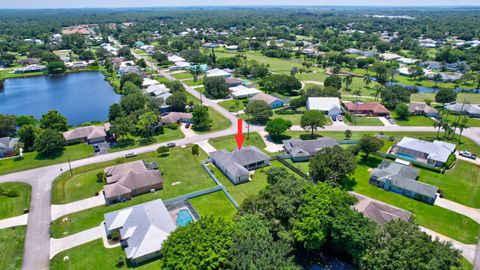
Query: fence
{"points": [[192, 195], [210, 173], [281, 159]]}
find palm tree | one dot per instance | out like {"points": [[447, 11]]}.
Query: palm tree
{"points": [[195, 71], [437, 78], [378, 89], [463, 125], [438, 124], [348, 80], [367, 80]]}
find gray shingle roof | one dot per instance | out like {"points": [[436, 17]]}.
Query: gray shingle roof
{"points": [[297, 147], [236, 161]]}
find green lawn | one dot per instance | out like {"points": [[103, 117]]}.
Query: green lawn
{"points": [[214, 204], [33, 160], [182, 173], [93, 255], [443, 221], [413, 121], [182, 75], [218, 121], [11, 247], [193, 83], [14, 206], [233, 105], [229, 143], [368, 121], [460, 184], [471, 97], [135, 141], [472, 122]]}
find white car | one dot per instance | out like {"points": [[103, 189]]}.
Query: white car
{"points": [[131, 154]]}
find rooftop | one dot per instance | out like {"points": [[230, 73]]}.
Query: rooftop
{"points": [[436, 150], [236, 161]]}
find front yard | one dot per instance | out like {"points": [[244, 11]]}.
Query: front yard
{"points": [[33, 160], [229, 143], [135, 141], [11, 247], [413, 121], [182, 174], [367, 121], [218, 121], [14, 198], [232, 105]]}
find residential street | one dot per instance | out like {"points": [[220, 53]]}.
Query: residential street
{"points": [[37, 242]]}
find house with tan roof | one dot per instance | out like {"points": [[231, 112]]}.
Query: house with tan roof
{"points": [[421, 108], [130, 179], [175, 118], [272, 101], [90, 134]]}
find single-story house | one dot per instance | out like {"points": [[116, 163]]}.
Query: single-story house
{"points": [[237, 164], [328, 105], [142, 229], [407, 61], [216, 72], [369, 108], [241, 91], [232, 81], [301, 150], [28, 61], [274, 102], [130, 179], [180, 65], [421, 108], [90, 134], [390, 56], [471, 110], [30, 68], [232, 47], [434, 153], [404, 71], [147, 82], [7, 146], [124, 70], [157, 90], [431, 64], [175, 58], [379, 212], [176, 117], [402, 179]]}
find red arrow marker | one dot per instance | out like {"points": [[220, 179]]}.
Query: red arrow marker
{"points": [[239, 137]]}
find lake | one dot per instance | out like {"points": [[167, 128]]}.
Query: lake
{"points": [[81, 97]]}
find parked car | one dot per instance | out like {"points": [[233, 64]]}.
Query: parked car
{"points": [[96, 148], [131, 154], [334, 118], [340, 118], [171, 144], [187, 125], [391, 121], [467, 154]]}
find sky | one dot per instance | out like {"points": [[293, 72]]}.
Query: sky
{"points": [[160, 3]]}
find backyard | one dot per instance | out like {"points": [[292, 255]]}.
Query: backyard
{"points": [[214, 204], [11, 247], [182, 174], [11, 205]]}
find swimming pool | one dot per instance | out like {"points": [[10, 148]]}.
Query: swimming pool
{"points": [[183, 217]]}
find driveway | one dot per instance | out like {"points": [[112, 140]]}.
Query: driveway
{"points": [[71, 241]]}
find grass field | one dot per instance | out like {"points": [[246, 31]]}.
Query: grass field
{"points": [[233, 105], [14, 206], [179, 167], [230, 144], [11, 247], [368, 121], [443, 221], [182, 75], [470, 97], [413, 121], [135, 141], [215, 204], [33, 160], [472, 122], [93, 255], [192, 82]]}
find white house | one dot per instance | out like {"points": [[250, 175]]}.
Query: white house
{"points": [[216, 72], [328, 105], [243, 92], [175, 58]]}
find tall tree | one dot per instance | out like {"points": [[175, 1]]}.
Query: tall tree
{"points": [[49, 141], [146, 123], [8, 125], [53, 120], [259, 110], [122, 127], [370, 144], [333, 165], [201, 118], [277, 127], [312, 120], [27, 135]]}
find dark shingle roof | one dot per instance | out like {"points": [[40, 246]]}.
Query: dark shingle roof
{"points": [[297, 147]]}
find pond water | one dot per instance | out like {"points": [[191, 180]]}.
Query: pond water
{"points": [[423, 89], [81, 97]]}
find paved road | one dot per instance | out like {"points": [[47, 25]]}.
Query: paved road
{"points": [[37, 241]]}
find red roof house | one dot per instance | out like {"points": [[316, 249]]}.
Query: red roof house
{"points": [[369, 109]]}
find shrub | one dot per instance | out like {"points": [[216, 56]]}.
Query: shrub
{"points": [[100, 177], [354, 149], [163, 150], [195, 150], [120, 262], [173, 126]]}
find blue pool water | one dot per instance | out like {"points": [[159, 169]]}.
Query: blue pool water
{"points": [[183, 217], [407, 157]]}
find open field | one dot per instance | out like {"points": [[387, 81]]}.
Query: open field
{"points": [[181, 172], [11, 247], [14, 206], [33, 160]]}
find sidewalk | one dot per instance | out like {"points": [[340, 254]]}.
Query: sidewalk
{"points": [[14, 221], [470, 212], [206, 146], [59, 210]]}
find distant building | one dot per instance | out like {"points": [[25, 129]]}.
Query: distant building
{"points": [[421, 108], [90, 134], [31, 68], [402, 179], [237, 164], [232, 81], [175, 58], [327, 105], [301, 150], [241, 91], [272, 101], [471, 110], [216, 72], [368, 109], [390, 56], [142, 228], [130, 179], [434, 153], [176, 117], [379, 212], [28, 61]]}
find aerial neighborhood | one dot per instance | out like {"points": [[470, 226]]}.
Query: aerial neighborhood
{"points": [[240, 138]]}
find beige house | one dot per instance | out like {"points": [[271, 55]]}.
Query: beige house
{"points": [[90, 134]]}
